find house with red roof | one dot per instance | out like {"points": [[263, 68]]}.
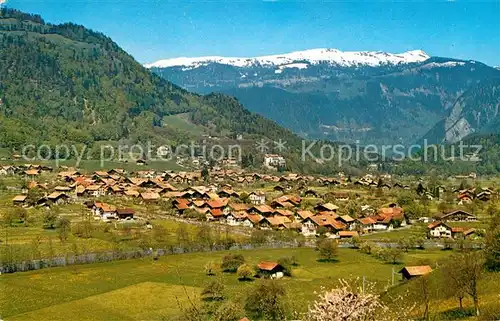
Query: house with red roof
{"points": [[389, 218], [271, 270]]}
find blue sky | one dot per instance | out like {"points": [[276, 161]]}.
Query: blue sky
{"points": [[152, 29]]}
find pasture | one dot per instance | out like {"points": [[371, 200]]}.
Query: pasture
{"points": [[146, 289]]}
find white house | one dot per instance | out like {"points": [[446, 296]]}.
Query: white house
{"points": [[439, 229], [257, 198], [6, 170], [308, 228], [274, 161]]}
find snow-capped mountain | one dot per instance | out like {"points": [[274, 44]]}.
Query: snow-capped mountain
{"points": [[300, 59], [373, 97]]}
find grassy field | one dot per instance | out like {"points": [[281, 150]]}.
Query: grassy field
{"points": [[148, 290], [181, 122], [444, 308]]}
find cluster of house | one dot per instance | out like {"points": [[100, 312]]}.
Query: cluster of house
{"points": [[466, 196], [216, 203], [284, 212], [440, 229], [31, 170]]}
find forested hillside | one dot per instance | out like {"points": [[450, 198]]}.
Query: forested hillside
{"points": [[66, 83]]}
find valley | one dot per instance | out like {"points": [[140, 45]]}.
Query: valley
{"points": [[265, 185]]}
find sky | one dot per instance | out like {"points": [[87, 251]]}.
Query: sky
{"points": [[153, 29]]}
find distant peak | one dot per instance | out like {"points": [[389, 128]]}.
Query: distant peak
{"points": [[311, 56]]}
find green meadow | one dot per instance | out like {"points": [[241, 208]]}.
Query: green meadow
{"points": [[149, 289]]}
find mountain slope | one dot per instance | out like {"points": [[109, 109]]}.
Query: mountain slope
{"points": [[475, 111], [385, 102], [66, 83]]}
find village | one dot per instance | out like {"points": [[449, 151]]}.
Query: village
{"points": [[305, 204]]}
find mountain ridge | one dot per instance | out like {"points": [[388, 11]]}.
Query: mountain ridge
{"points": [[383, 104], [299, 59]]}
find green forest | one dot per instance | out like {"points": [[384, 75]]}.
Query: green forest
{"points": [[68, 84]]}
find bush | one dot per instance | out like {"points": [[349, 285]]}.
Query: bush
{"points": [[356, 242], [367, 247], [214, 291], [245, 272], [287, 263], [189, 213], [448, 243], [231, 262], [211, 268], [420, 243], [266, 300], [390, 255], [229, 311], [258, 237]]}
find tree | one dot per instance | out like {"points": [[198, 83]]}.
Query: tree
{"points": [[424, 287], [356, 242], [214, 290], [347, 303], [420, 189], [22, 214], [231, 262], [327, 249], [34, 194], [10, 216], [448, 243], [491, 209], [204, 236], [367, 247], [455, 285], [470, 270], [49, 219], [392, 254], [84, 229], [229, 311], [405, 198], [182, 235], [258, 237], [406, 243], [204, 173], [420, 242], [266, 300], [245, 272], [492, 245], [160, 234], [63, 226], [287, 263]]}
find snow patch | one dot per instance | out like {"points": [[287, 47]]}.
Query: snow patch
{"points": [[447, 64], [296, 65]]}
